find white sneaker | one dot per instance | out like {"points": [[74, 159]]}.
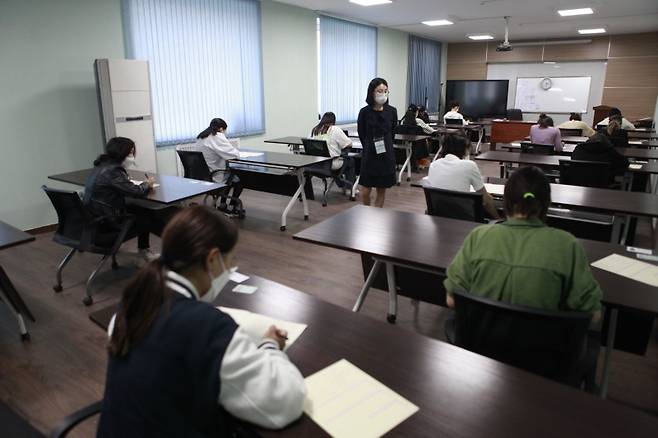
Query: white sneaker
{"points": [[147, 255]]}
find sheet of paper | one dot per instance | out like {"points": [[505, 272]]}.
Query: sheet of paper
{"points": [[245, 289], [138, 182], [347, 402], [250, 154], [237, 277], [256, 324], [629, 268], [495, 189], [635, 166]]}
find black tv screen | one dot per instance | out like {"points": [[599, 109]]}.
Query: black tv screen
{"points": [[478, 99]]}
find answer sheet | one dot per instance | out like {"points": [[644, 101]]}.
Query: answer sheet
{"points": [[629, 268], [256, 324], [346, 402], [250, 154]]}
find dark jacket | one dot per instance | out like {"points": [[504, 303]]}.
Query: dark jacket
{"points": [[373, 125], [599, 148], [107, 186]]}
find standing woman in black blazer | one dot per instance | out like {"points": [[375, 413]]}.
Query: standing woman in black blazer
{"points": [[376, 126]]}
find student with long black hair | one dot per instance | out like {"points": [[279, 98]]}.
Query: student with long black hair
{"points": [[216, 149], [178, 366], [376, 126], [109, 185], [336, 140]]}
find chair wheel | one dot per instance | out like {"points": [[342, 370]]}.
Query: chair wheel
{"points": [[87, 300], [283, 228], [57, 288], [408, 179], [25, 337], [305, 217], [397, 184], [391, 319], [352, 198], [324, 204]]}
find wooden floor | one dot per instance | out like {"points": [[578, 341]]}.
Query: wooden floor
{"points": [[62, 368]]}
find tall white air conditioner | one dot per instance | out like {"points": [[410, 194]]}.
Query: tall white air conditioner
{"points": [[124, 96]]}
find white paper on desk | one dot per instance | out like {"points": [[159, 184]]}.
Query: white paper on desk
{"points": [[494, 189], [629, 268], [256, 324], [250, 154], [347, 402], [138, 182], [237, 277], [635, 166]]}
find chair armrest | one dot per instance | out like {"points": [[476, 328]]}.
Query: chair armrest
{"points": [[75, 418]]}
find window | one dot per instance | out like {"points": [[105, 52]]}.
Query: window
{"points": [[347, 63], [424, 72], [205, 61]]}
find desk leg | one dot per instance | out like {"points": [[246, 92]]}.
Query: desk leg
{"points": [[366, 286], [356, 183], [300, 191], [480, 137], [409, 155], [407, 162], [617, 230], [610, 342], [436, 156], [19, 318], [392, 293]]}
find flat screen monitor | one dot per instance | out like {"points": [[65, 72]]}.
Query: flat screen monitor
{"points": [[479, 99]]}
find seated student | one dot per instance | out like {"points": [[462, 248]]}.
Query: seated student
{"points": [[419, 152], [422, 114], [615, 112], [545, 133], [178, 366], [523, 261], [336, 140], [453, 171], [599, 148], [106, 190], [576, 122], [614, 133], [454, 113], [216, 149], [411, 119]]}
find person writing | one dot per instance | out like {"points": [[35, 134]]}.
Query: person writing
{"points": [[376, 127], [454, 113], [545, 133], [616, 113], [336, 140], [576, 122], [178, 366]]}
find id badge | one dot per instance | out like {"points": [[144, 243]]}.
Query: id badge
{"points": [[380, 146]]}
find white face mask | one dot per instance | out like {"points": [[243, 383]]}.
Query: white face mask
{"points": [[129, 162], [381, 98], [217, 283]]}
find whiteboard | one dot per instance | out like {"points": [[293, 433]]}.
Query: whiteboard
{"points": [[568, 94]]}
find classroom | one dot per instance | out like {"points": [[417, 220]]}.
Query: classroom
{"points": [[345, 218]]}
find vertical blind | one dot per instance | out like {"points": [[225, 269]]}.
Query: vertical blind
{"points": [[424, 72], [348, 61], [205, 62]]}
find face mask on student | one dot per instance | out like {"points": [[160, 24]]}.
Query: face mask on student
{"points": [[129, 162], [381, 98], [217, 283]]}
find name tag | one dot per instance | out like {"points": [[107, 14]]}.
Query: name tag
{"points": [[380, 146]]}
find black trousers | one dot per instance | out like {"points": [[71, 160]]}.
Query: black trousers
{"points": [[149, 221]]}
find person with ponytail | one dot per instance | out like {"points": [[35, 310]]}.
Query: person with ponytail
{"points": [[545, 133], [522, 261], [216, 149], [178, 366], [109, 185], [336, 140]]}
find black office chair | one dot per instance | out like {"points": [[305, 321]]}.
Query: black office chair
{"points": [[454, 205], [318, 148], [585, 173], [458, 122], [567, 132], [514, 114], [539, 149], [70, 422], [195, 167], [81, 231], [553, 344]]}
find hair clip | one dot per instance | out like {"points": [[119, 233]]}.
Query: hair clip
{"points": [[528, 195]]}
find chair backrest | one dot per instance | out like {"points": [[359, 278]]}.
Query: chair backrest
{"points": [[72, 216], [455, 205], [317, 148], [539, 149], [568, 132], [620, 139], [459, 122], [585, 173], [194, 165], [514, 114], [548, 343], [409, 130]]}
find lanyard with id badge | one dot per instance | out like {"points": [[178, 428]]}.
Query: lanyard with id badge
{"points": [[380, 146]]}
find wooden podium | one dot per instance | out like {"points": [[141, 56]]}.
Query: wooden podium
{"points": [[600, 113], [507, 131]]}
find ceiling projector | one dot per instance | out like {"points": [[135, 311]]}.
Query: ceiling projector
{"points": [[505, 46]]}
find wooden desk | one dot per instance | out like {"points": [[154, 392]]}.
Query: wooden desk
{"points": [[629, 152], [280, 165], [428, 243], [459, 393], [172, 189], [631, 143], [10, 236], [507, 131]]}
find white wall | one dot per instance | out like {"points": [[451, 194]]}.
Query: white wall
{"points": [[595, 69], [392, 65], [49, 115]]}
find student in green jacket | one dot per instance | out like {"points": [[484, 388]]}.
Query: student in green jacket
{"points": [[522, 260]]}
